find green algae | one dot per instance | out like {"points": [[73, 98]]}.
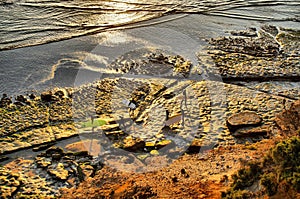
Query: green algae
{"points": [[95, 123]]}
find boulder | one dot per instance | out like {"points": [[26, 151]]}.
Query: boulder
{"points": [[58, 172], [131, 144], [5, 101], [61, 93], [243, 119], [48, 96], [22, 99], [54, 150]]}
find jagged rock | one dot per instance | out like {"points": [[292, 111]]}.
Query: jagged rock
{"points": [[27, 181], [43, 162], [251, 32], [273, 30], [59, 171], [132, 144], [257, 58], [32, 96], [22, 99], [61, 93], [289, 120], [9, 183], [48, 96], [243, 119], [5, 101], [54, 150], [87, 170]]}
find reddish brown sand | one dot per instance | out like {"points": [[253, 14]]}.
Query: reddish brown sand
{"points": [[191, 176]]}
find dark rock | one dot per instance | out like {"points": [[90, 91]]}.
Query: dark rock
{"points": [[48, 96], [5, 101], [32, 96], [17, 103], [56, 156], [243, 119], [80, 174], [169, 95], [131, 144], [3, 158], [273, 30], [54, 150], [42, 147], [250, 132], [81, 153], [61, 93], [182, 171], [289, 120], [245, 33], [22, 99], [174, 179]]}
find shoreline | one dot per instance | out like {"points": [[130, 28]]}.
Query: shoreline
{"points": [[248, 111], [32, 72]]}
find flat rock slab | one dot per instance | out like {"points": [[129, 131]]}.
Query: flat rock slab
{"points": [[252, 132], [243, 119], [91, 145]]}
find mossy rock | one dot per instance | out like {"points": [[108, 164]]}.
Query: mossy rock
{"points": [[95, 123]]}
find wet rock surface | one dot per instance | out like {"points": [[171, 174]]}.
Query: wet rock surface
{"points": [[152, 120], [273, 54], [153, 63], [46, 174]]}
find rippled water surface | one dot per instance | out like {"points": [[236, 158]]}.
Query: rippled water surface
{"points": [[32, 22], [116, 27]]}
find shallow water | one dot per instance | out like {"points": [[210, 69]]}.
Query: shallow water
{"points": [[115, 28]]}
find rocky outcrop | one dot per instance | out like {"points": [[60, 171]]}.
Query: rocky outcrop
{"points": [[54, 95], [46, 174], [289, 120], [154, 63], [5, 101], [261, 58], [160, 119]]}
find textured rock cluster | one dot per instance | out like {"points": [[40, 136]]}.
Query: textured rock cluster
{"points": [[158, 117]]}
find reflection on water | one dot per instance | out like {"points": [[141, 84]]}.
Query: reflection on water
{"points": [[31, 22]]}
